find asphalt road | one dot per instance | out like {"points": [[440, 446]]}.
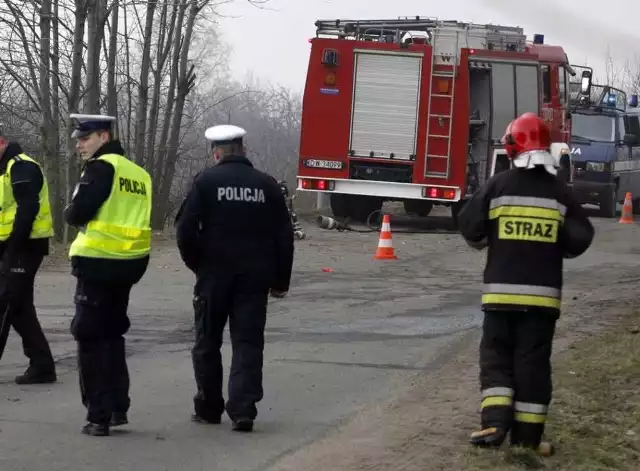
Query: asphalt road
{"points": [[353, 332]]}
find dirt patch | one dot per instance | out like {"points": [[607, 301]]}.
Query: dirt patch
{"points": [[426, 426]]}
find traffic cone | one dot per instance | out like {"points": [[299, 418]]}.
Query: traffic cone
{"points": [[385, 246], [627, 210]]}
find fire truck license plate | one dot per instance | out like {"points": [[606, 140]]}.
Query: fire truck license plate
{"points": [[330, 164]]}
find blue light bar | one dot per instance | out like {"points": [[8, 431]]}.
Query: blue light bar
{"points": [[538, 39], [633, 101], [612, 99]]}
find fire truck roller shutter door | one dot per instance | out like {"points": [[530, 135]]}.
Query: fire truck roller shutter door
{"points": [[385, 105]]}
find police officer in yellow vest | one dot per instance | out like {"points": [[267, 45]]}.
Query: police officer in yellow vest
{"points": [[111, 206], [25, 229]]}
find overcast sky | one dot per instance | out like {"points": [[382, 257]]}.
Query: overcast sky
{"points": [[273, 42]]}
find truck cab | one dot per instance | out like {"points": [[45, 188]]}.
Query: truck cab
{"points": [[604, 138]]}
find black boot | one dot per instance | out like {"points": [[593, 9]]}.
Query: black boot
{"points": [[491, 437], [242, 425], [37, 376], [208, 420], [118, 418], [96, 430]]}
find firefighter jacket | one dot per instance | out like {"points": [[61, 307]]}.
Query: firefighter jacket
{"points": [[112, 208], [530, 221], [25, 186]]}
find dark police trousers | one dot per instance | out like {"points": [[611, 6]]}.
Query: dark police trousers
{"points": [[515, 373], [98, 326], [243, 300], [17, 280]]}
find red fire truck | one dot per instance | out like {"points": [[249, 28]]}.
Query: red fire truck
{"points": [[413, 109]]}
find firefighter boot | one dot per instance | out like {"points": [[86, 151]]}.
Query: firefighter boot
{"points": [[546, 449], [490, 437]]}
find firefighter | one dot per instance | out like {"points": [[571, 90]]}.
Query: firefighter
{"points": [[298, 231], [530, 221], [235, 234], [111, 206], [25, 229]]}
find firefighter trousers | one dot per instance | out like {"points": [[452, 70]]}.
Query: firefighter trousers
{"points": [[17, 310], [98, 326], [515, 373], [241, 299]]}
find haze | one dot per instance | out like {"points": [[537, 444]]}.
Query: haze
{"points": [[272, 42]]}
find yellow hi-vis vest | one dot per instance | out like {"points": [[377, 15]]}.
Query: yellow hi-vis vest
{"points": [[122, 228], [42, 227]]}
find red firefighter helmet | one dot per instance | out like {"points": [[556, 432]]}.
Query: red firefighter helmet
{"points": [[526, 133]]}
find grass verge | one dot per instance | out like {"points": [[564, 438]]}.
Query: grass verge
{"points": [[595, 414]]}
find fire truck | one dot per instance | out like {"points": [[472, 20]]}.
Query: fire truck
{"points": [[413, 109]]}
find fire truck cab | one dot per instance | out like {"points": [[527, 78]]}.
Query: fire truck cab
{"points": [[413, 109]]}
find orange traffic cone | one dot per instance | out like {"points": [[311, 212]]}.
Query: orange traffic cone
{"points": [[385, 246], [627, 210]]}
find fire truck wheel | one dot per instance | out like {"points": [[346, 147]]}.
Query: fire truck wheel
{"points": [[455, 209], [420, 208], [339, 206], [360, 207], [608, 204]]}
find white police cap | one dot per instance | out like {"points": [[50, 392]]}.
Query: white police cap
{"points": [[224, 133], [85, 124]]}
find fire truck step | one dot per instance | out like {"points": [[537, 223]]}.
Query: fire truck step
{"points": [[440, 116], [439, 95], [436, 174], [441, 136], [436, 156], [443, 74]]}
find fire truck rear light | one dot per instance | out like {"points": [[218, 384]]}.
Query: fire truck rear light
{"points": [[431, 192], [330, 79], [322, 185], [439, 193]]}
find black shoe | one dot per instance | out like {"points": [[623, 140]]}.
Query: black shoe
{"points": [[491, 437], [209, 420], [96, 430], [118, 418], [242, 425], [33, 376]]}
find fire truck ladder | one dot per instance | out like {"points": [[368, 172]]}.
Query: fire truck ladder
{"points": [[445, 73]]}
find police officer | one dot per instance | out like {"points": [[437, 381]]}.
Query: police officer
{"points": [[25, 229], [235, 234], [112, 207], [530, 221]]}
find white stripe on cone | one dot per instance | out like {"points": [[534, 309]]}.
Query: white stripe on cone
{"points": [[386, 227], [385, 243]]}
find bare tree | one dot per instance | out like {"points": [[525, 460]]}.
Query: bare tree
{"points": [[139, 63]]}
